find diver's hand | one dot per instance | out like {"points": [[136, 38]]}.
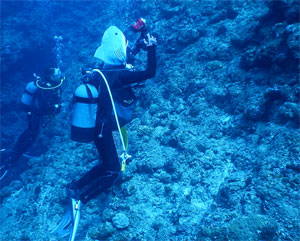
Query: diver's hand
{"points": [[150, 40]]}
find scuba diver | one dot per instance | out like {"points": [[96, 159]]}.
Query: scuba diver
{"points": [[102, 105], [41, 97]]}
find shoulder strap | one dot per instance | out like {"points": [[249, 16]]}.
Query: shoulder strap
{"points": [[124, 155], [89, 92]]}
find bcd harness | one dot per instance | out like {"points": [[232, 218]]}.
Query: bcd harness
{"points": [[124, 155]]}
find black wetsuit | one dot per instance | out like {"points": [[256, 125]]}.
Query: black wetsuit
{"points": [[44, 104], [28, 137], [105, 174]]}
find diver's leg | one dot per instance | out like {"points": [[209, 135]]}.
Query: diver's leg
{"points": [[89, 176], [111, 165], [102, 176], [102, 184], [108, 152], [27, 138]]}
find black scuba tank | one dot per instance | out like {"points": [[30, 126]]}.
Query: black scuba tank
{"points": [[84, 113]]}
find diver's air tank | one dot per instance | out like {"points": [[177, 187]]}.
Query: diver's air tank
{"points": [[84, 113], [28, 96]]}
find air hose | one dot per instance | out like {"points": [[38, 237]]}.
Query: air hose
{"points": [[124, 155], [50, 87]]}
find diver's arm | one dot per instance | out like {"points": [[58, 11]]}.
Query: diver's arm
{"points": [[131, 77]]}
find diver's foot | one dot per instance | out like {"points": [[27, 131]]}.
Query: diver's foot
{"points": [[64, 228], [73, 191], [76, 208]]}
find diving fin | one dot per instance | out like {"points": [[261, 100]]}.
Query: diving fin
{"points": [[5, 162], [69, 224], [76, 207], [4, 174], [63, 228]]}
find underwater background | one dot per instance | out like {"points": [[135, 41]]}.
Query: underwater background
{"points": [[214, 139]]}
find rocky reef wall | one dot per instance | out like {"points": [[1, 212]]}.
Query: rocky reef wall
{"points": [[215, 138]]}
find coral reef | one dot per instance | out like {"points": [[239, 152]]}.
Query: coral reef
{"points": [[215, 136]]}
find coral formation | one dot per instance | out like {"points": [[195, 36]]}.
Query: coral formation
{"points": [[215, 136]]}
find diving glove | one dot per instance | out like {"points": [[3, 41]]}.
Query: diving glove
{"points": [[150, 40]]}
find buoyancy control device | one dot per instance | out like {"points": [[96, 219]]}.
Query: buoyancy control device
{"points": [[84, 113]]}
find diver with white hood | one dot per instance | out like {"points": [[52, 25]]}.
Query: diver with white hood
{"points": [[115, 104]]}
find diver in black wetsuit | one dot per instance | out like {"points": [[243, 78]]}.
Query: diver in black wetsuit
{"points": [[113, 53], [114, 82], [41, 97]]}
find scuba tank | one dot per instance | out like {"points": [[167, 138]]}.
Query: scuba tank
{"points": [[84, 113], [43, 95], [29, 95]]}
